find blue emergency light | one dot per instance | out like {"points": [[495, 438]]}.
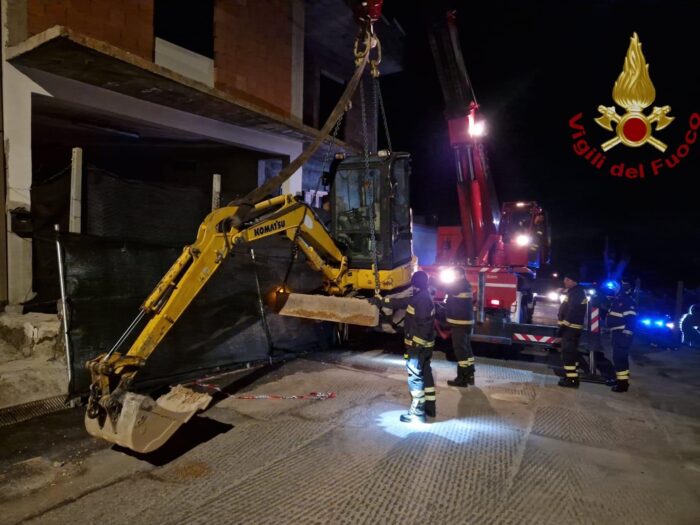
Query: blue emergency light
{"points": [[657, 323]]}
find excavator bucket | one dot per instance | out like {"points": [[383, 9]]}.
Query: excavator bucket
{"points": [[346, 310], [143, 424]]}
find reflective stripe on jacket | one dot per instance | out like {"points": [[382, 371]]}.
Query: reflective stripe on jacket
{"points": [[459, 305], [622, 314], [419, 325], [572, 311]]}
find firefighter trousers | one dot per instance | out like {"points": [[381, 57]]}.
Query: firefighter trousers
{"points": [[462, 344], [420, 373], [569, 350], [621, 344]]}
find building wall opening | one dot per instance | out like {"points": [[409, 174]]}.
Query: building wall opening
{"points": [[140, 182], [187, 24]]}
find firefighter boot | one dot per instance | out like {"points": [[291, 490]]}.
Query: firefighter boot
{"points": [[470, 374], [416, 413], [622, 381], [430, 401], [569, 382], [462, 379], [621, 385]]}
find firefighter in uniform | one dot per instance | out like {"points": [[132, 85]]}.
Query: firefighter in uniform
{"points": [[621, 319], [538, 240], [460, 316], [572, 313], [419, 338], [690, 334]]}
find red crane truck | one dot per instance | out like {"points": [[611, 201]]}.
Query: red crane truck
{"points": [[500, 248]]}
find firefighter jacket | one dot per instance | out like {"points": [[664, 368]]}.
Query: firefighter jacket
{"points": [[690, 335], [572, 311], [419, 324], [622, 314], [459, 307]]}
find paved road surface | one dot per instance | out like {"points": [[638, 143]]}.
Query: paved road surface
{"points": [[514, 449]]}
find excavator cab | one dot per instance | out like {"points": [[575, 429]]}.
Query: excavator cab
{"points": [[379, 183]]}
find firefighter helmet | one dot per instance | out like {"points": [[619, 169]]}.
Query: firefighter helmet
{"points": [[420, 280], [626, 286], [573, 275]]}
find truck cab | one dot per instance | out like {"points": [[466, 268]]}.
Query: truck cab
{"points": [[525, 231]]}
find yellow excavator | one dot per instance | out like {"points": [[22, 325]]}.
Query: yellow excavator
{"points": [[366, 250]]}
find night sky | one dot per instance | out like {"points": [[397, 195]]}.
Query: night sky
{"points": [[533, 66]]}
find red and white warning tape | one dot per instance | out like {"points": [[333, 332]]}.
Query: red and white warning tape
{"points": [[310, 395]]}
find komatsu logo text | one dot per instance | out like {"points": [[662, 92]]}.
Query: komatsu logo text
{"points": [[268, 228]]}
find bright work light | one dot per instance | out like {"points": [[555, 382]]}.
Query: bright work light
{"points": [[448, 275], [523, 240]]}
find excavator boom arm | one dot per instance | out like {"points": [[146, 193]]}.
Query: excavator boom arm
{"points": [[199, 261]]}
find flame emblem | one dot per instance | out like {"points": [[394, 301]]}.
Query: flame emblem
{"points": [[634, 91]]}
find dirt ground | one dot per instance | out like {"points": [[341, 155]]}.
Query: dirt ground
{"points": [[513, 449], [25, 379], [32, 359]]}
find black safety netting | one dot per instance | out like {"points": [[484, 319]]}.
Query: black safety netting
{"points": [[107, 280], [114, 266], [112, 206]]}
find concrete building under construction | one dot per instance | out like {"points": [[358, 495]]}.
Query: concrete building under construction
{"points": [[164, 93]]}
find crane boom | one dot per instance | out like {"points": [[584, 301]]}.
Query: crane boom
{"points": [[497, 247], [478, 203]]}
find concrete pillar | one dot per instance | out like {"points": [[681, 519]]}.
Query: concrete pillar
{"points": [[3, 212], [17, 91], [14, 17], [294, 184], [76, 191], [215, 192]]}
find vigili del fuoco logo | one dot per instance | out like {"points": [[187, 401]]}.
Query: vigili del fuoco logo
{"points": [[634, 93]]}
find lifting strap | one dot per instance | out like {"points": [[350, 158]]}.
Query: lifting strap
{"points": [[295, 246], [275, 182]]}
